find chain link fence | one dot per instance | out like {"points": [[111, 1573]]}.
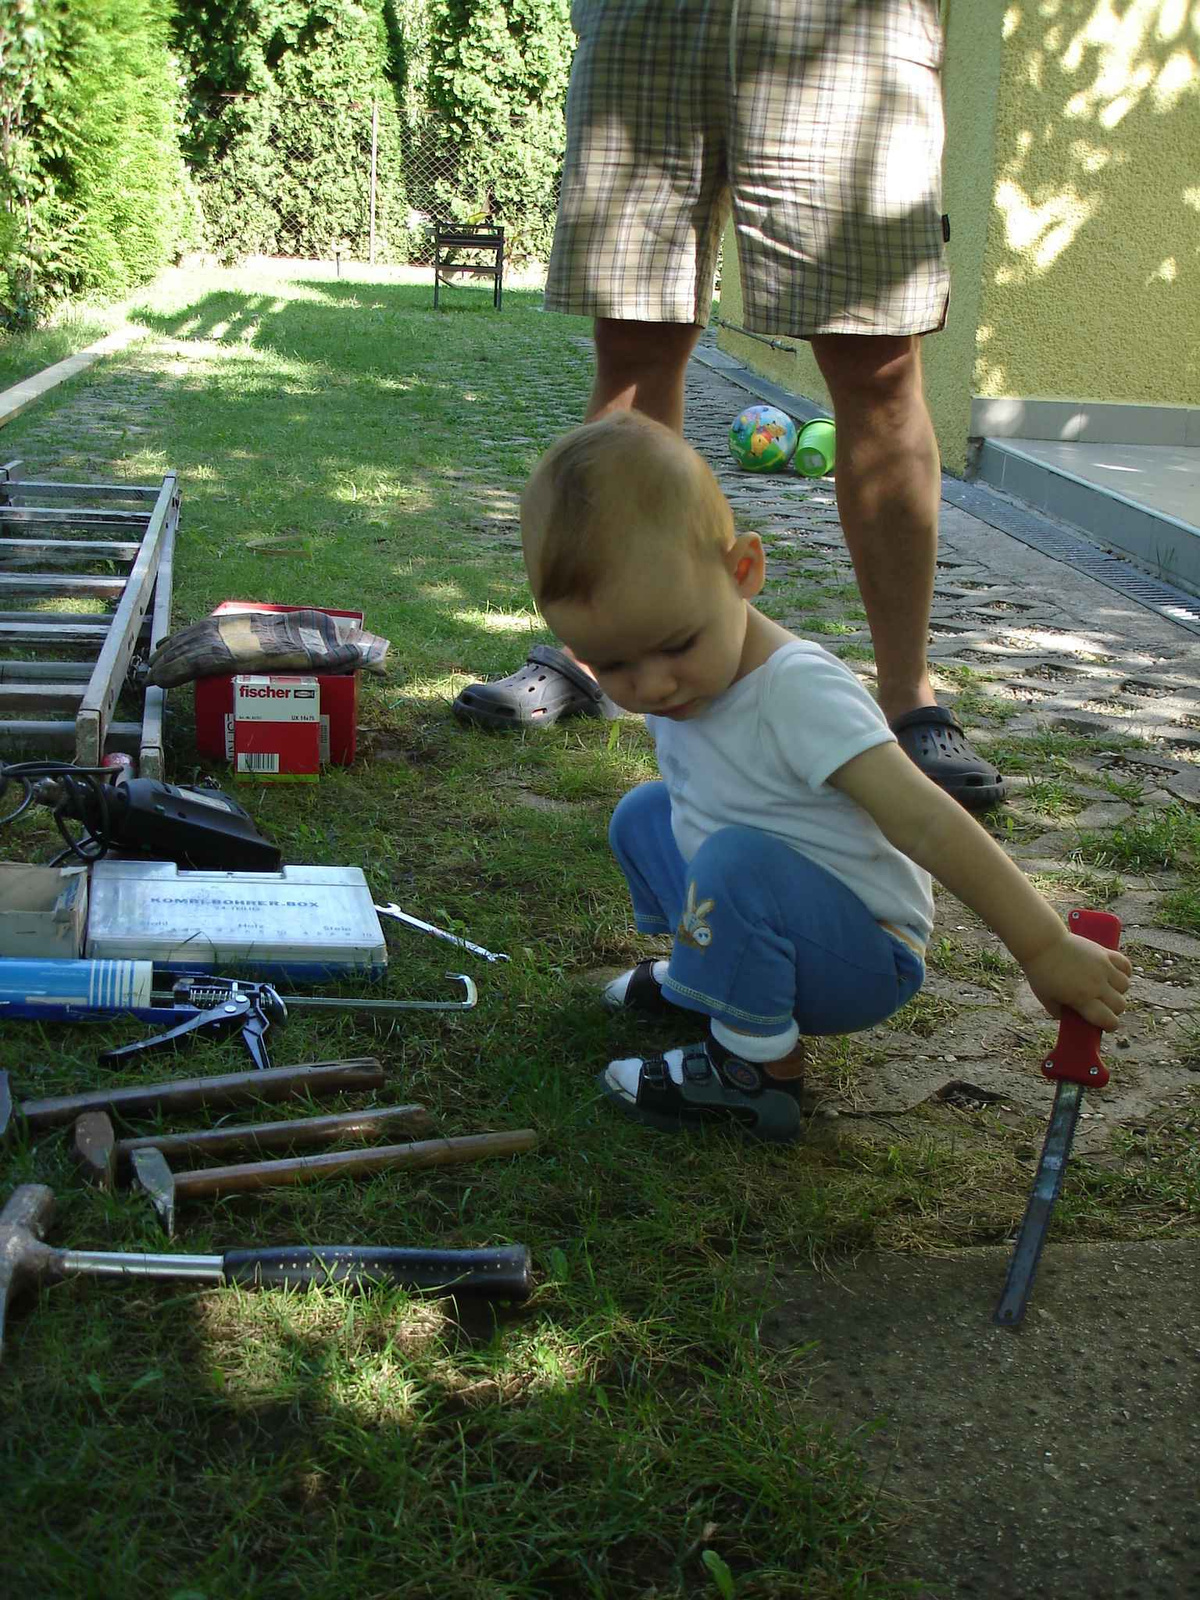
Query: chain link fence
{"points": [[355, 181]]}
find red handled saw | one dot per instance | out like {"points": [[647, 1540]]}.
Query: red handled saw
{"points": [[1074, 1065]]}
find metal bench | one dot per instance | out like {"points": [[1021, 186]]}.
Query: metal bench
{"points": [[476, 249]]}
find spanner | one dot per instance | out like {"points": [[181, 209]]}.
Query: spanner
{"points": [[439, 933]]}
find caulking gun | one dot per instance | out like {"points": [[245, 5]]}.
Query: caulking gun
{"points": [[74, 991]]}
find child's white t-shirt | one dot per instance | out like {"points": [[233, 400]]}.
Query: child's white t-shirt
{"points": [[759, 757]]}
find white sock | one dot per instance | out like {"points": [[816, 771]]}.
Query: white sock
{"points": [[755, 1046], [624, 1075]]}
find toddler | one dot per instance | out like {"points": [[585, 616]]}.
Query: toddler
{"points": [[789, 846]]}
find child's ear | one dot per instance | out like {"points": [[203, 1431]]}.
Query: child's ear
{"points": [[746, 563]]}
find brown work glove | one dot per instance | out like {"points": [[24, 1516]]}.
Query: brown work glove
{"points": [[266, 641]]}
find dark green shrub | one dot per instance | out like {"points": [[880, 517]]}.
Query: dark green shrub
{"points": [[96, 196], [279, 126], [498, 78]]}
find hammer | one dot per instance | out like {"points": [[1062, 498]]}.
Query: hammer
{"points": [[500, 1273], [223, 1089], [102, 1157], [153, 1175]]}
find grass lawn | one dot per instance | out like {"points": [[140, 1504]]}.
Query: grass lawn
{"points": [[66, 334], [626, 1433]]}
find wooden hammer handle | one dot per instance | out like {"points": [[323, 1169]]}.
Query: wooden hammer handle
{"points": [[225, 1089], [306, 1169], [360, 1125]]}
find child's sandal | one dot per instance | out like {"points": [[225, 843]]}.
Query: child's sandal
{"points": [[717, 1089], [638, 990]]}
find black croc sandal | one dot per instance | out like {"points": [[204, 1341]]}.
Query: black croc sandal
{"points": [[548, 687], [718, 1089], [642, 995], [933, 738]]}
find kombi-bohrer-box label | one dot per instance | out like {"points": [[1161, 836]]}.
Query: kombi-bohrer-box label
{"points": [[276, 727]]}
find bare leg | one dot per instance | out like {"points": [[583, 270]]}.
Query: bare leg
{"points": [[888, 492], [640, 366]]}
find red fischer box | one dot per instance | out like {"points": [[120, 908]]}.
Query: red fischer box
{"points": [[276, 728], [339, 700]]}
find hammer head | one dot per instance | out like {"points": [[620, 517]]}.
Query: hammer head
{"points": [[22, 1254], [94, 1146], [153, 1176]]}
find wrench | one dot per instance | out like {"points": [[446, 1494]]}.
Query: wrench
{"points": [[439, 933]]}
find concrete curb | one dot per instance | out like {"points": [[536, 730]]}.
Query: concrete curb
{"points": [[15, 400]]}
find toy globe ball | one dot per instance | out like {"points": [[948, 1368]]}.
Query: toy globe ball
{"points": [[763, 439]]}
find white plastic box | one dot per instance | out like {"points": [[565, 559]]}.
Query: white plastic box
{"points": [[306, 924]]}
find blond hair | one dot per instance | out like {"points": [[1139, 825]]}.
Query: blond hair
{"points": [[610, 487]]}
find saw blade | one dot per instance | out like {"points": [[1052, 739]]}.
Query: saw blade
{"points": [[1047, 1186], [1073, 1065]]}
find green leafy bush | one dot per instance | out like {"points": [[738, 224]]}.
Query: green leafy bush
{"points": [[96, 196], [498, 78], [279, 127]]}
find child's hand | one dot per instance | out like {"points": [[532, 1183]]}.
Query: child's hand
{"points": [[1084, 975]]}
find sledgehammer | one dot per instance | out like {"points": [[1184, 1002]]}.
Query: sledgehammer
{"points": [[500, 1273]]}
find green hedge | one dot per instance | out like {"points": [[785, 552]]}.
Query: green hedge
{"points": [[95, 195], [498, 77], [279, 128], [132, 130]]}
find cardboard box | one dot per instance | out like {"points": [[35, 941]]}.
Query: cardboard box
{"points": [[339, 700], [43, 911], [276, 728]]}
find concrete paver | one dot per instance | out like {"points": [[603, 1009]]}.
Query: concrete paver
{"points": [[1061, 1459]]}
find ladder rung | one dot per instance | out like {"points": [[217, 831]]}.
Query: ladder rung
{"points": [[45, 696], [66, 550], [42, 671], [70, 516], [54, 583]]}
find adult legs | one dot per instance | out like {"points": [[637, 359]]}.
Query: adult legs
{"points": [[639, 366], [888, 477], [888, 486]]}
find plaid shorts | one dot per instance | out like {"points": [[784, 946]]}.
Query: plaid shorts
{"points": [[818, 123]]}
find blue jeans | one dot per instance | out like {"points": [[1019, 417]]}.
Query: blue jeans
{"points": [[762, 934]]}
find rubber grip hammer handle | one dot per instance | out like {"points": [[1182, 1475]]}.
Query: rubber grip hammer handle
{"points": [[502, 1273]]}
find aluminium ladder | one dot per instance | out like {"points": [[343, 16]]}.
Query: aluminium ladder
{"points": [[47, 534]]}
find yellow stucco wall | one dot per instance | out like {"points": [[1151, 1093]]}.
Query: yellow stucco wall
{"points": [[1072, 181], [1092, 267]]}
